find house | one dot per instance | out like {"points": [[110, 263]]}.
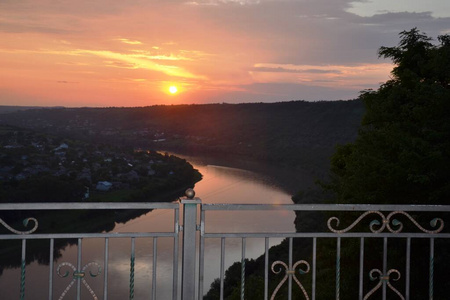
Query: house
{"points": [[103, 186], [130, 176], [63, 146], [85, 174], [151, 172]]}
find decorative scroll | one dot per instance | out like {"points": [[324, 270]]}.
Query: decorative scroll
{"points": [[290, 272], [386, 222], [78, 275], [25, 223], [382, 279]]}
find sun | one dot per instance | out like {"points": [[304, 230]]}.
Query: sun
{"points": [[173, 89]]}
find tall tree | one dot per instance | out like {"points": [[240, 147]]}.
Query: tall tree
{"points": [[402, 152]]}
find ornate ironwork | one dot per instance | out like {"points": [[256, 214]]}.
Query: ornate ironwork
{"points": [[132, 261], [25, 223], [386, 222], [243, 279], [290, 272], [78, 275], [22, 279], [383, 278]]}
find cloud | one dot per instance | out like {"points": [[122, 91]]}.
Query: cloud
{"points": [[326, 76], [222, 2], [141, 62], [117, 59], [292, 69], [130, 42], [436, 8], [16, 27], [152, 56]]}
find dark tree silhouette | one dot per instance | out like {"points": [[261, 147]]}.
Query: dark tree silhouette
{"points": [[402, 151]]}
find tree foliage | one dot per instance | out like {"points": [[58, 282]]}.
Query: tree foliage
{"points": [[402, 152]]}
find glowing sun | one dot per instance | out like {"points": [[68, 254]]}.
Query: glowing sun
{"points": [[173, 89]]}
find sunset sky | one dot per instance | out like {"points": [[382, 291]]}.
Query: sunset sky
{"points": [[129, 53]]}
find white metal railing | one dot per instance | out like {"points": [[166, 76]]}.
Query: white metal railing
{"points": [[387, 222], [79, 273]]}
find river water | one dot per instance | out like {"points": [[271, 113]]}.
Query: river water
{"points": [[220, 184]]}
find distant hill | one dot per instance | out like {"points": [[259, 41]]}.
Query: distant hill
{"points": [[4, 109], [296, 133]]}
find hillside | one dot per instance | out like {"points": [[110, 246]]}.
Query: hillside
{"points": [[36, 167], [296, 133]]}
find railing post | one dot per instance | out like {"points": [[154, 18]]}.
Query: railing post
{"points": [[189, 245]]}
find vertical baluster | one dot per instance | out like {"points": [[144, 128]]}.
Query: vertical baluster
{"points": [[313, 288], [338, 268], [222, 265], [266, 268], [175, 254], [243, 270], [290, 268], [431, 277], [408, 266], [22, 270], [79, 249], [132, 258], [201, 255], [50, 275], [155, 255], [361, 268], [105, 282], [384, 266]]}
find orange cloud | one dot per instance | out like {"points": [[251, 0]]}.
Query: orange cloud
{"points": [[130, 42], [321, 75]]}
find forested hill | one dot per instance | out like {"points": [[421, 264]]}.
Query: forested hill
{"points": [[287, 133]]}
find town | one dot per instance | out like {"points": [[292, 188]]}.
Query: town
{"points": [[85, 171]]}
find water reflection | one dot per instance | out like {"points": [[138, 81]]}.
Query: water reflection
{"points": [[230, 185], [219, 185]]}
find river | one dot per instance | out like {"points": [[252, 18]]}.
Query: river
{"points": [[220, 184]]}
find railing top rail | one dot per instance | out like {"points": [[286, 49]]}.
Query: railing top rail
{"points": [[224, 207], [88, 205], [328, 207], [325, 235], [37, 236]]}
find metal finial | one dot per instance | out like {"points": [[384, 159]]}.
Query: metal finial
{"points": [[190, 193]]}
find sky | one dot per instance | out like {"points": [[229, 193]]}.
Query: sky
{"points": [[106, 53]]}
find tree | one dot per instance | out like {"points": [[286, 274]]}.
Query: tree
{"points": [[402, 151]]}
